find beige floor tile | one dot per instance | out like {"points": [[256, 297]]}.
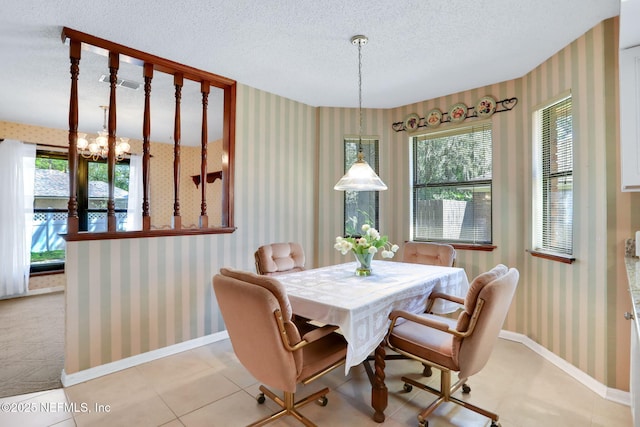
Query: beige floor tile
{"points": [[66, 423], [118, 390], [236, 410], [216, 354], [195, 391], [616, 413], [35, 409], [140, 411], [339, 412], [446, 415], [209, 387], [238, 374], [170, 369]]}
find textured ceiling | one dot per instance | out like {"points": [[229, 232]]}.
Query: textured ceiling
{"points": [[301, 50]]}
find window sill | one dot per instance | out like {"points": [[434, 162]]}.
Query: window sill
{"points": [[473, 247], [46, 272], [566, 259], [465, 246]]}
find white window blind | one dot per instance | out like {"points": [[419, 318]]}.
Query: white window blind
{"points": [[554, 195], [452, 179]]}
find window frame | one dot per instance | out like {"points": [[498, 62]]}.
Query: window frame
{"points": [[369, 141], [415, 186], [61, 153], [541, 175]]}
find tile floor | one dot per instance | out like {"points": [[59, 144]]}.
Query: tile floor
{"points": [[208, 387]]}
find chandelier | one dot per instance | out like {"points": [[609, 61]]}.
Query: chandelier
{"points": [[99, 147], [360, 176]]}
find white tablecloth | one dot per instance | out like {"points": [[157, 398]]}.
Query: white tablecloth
{"points": [[361, 305]]}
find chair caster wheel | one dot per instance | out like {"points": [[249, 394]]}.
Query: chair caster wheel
{"points": [[322, 401], [424, 423], [467, 389], [407, 388], [261, 399], [495, 424]]}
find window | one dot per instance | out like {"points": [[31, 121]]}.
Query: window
{"points": [[51, 198], [553, 178], [360, 207], [452, 176]]}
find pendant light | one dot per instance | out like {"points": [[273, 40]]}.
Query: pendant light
{"points": [[360, 176]]}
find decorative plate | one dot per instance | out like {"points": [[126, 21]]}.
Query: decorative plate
{"points": [[412, 122], [433, 118], [457, 112], [486, 106]]}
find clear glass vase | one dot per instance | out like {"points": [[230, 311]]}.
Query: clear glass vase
{"points": [[363, 261]]}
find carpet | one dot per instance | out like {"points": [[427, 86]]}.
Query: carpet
{"points": [[31, 343]]}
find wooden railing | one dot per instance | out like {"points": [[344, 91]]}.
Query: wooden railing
{"points": [[79, 41]]}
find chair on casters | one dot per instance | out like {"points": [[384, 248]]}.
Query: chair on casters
{"points": [[430, 253], [257, 315], [278, 258], [463, 345]]}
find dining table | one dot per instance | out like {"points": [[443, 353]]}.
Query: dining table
{"points": [[360, 306]]}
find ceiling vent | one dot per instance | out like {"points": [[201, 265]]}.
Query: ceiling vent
{"points": [[123, 83]]}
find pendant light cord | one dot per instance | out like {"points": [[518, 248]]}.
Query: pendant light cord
{"points": [[359, 40], [360, 94]]}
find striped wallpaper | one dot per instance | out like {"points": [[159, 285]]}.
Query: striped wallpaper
{"points": [[574, 310], [130, 296]]}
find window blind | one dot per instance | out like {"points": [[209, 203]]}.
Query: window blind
{"points": [[555, 129]]}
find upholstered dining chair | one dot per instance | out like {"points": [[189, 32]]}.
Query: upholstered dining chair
{"points": [[257, 314], [463, 345], [278, 258], [429, 253]]}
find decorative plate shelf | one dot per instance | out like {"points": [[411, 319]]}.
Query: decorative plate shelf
{"points": [[211, 177], [484, 108]]}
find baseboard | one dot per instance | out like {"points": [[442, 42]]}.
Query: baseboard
{"points": [[34, 292], [615, 395], [118, 365], [612, 394]]}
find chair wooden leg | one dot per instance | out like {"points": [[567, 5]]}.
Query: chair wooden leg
{"points": [[426, 372]]}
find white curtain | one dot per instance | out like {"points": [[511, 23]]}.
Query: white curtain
{"points": [[134, 205], [17, 173]]}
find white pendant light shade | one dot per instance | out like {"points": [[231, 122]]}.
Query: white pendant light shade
{"points": [[360, 177]]}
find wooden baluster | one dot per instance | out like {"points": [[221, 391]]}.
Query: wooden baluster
{"points": [[72, 216], [114, 64], [177, 222], [146, 146], [204, 219]]}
